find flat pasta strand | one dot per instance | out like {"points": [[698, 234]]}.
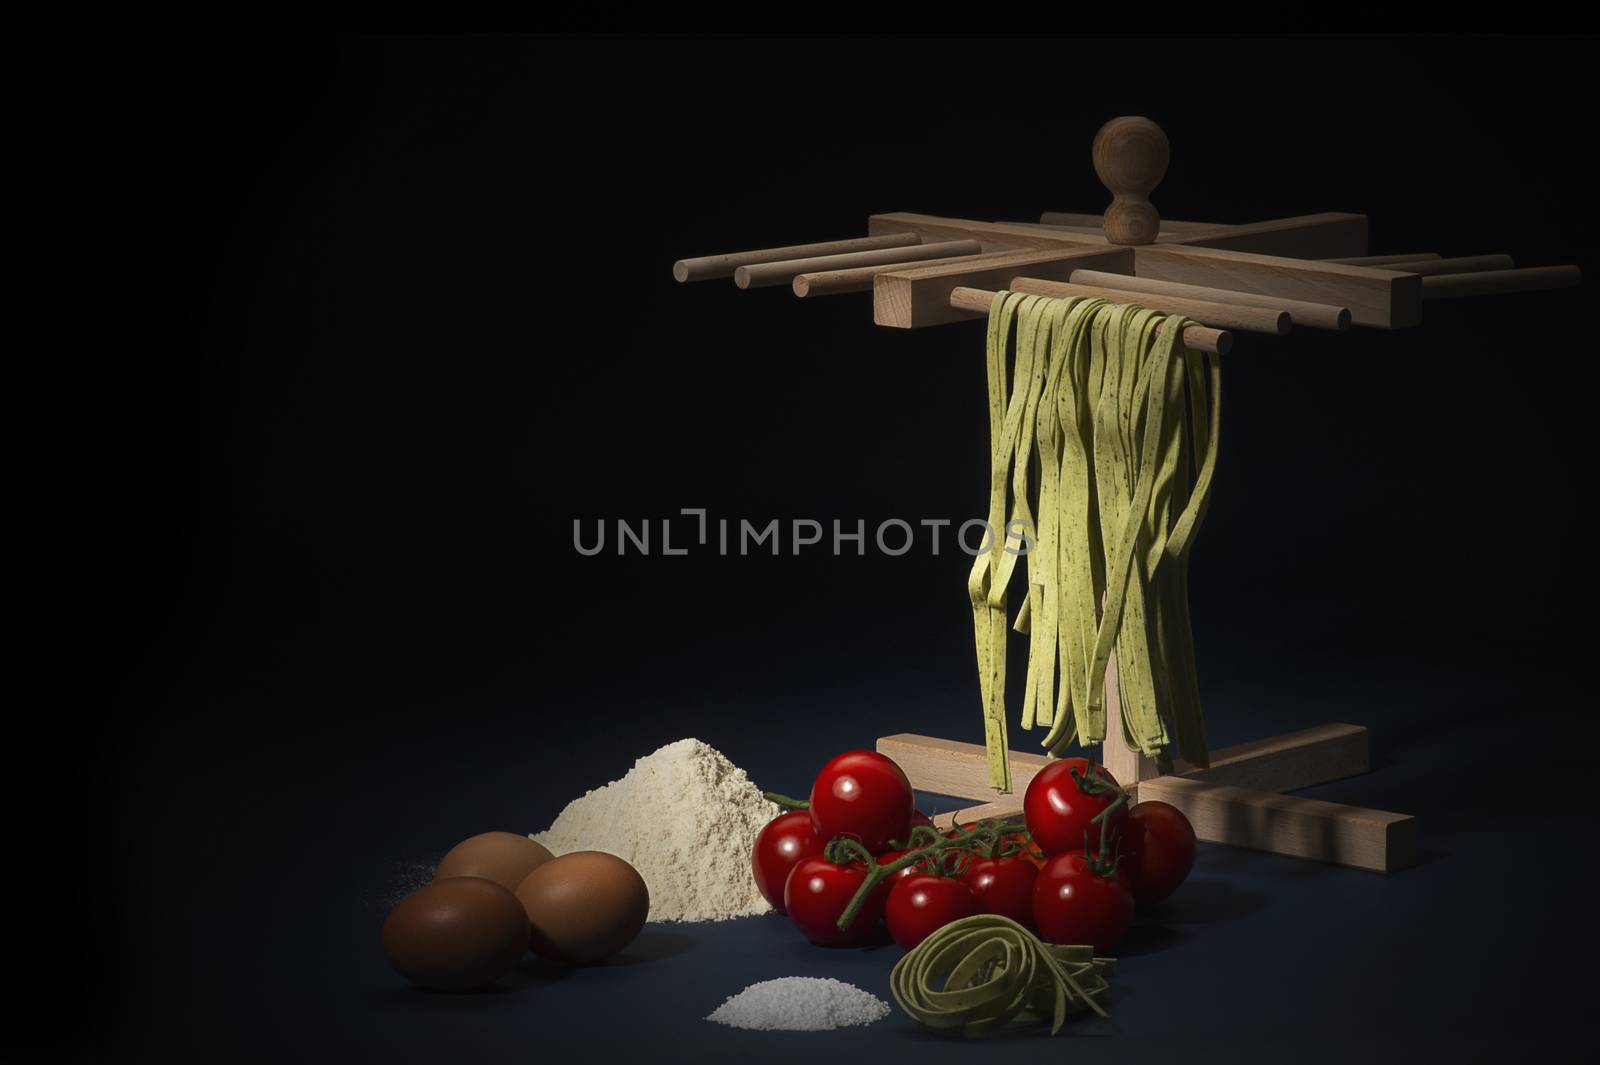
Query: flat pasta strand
{"points": [[979, 973], [1103, 450]]}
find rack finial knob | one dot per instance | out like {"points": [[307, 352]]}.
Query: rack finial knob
{"points": [[1130, 157]]}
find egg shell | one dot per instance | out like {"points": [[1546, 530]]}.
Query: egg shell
{"points": [[504, 857], [583, 907], [456, 934]]}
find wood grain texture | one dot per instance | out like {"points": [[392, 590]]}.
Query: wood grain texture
{"points": [[1096, 222], [1216, 315], [1165, 236], [946, 767], [1316, 315], [859, 278], [1384, 260], [1378, 297], [1291, 825], [1500, 282], [1086, 230], [1130, 155], [1311, 236], [707, 267], [1236, 801], [1279, 763], [1464, 264], [784, 271], [917, 297], [1006, 807], [994, 236], [1127, 767], [1288, 761]]}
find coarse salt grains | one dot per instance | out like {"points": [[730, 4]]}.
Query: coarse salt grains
{"points": [[800, 1004]]}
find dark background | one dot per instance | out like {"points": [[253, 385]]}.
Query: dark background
{"points": [[421, 320]]}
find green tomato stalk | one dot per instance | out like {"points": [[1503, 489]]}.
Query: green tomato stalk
{"points": [[932, 853]]}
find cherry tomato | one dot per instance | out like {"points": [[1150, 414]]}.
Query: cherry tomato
{"points": [[887, 884], [1003, 886], [1059, 812], [920, 818], [1073, 903], [784, 841], [817, 893], [1159, 852], [864, 795], [921, 905]]}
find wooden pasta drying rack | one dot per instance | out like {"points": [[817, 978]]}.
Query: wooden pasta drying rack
{"points": [[1262, 277]]}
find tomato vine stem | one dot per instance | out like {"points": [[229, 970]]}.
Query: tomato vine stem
{"points": [[984, 833]]}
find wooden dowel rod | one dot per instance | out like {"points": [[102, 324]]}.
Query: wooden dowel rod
{"points": [[784, 271], [1495, 282], [1220, 315], [707, 267], [1317, 315], [1384, 260], [971, 299], [1466, 264], [1195, 337], [856, 278]]}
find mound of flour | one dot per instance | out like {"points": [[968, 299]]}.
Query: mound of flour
{"points": [[687, 819]]}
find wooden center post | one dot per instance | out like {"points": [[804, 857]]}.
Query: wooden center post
{"points": [[1130, 157]]}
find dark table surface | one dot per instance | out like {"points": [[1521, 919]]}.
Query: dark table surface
{"points": [[257, 939], [433, 326]]}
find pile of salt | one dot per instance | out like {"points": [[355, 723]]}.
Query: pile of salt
{"points": [[800, 1004]]}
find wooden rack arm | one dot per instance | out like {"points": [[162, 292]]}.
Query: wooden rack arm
{"points": [[707, 267], [1383, 260], [914, 296], [784, 271], [1465, 264], [1495, 282], [1376, 296], [1317, 315], [1195, 337], [992, 235], [1306, 236], [1096, 222], [1221, 315], [859, 278]]}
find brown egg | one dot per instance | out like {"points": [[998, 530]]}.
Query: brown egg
{"points": [[456, 934], [504, 857], [584, 907]]}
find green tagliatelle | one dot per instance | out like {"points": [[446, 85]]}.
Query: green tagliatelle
{"points": [[1103, 446], [978, 973]]}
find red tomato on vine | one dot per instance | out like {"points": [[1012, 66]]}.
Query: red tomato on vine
{"points": [[863, 795], [921, 905], [1062, 801], [1003, 886], [785, 841], [1159, 851], [1075, 902], [816, 895]]}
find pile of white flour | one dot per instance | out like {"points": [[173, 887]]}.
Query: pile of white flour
{"points": [[800, 1004], [687, 819]]}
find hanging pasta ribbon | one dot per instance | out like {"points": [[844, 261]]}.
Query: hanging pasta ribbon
{"points": [[1090, 424]]}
